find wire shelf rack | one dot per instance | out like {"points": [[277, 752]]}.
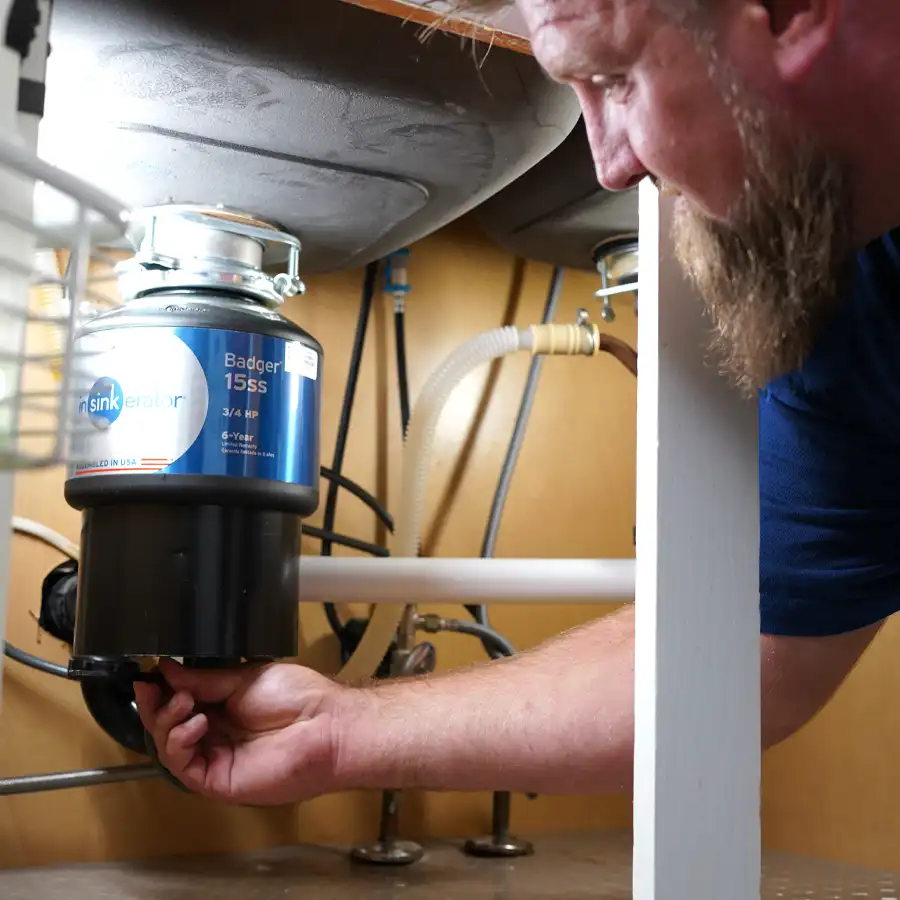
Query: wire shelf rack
{"points": [[53, 277]]}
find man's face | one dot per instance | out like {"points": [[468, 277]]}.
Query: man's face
{"points": [[762, 215]]}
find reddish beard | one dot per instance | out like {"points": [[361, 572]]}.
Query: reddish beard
{"points": [[771, 274]]}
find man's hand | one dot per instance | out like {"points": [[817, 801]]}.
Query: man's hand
{"points": [[261, 735], [281, 733]]}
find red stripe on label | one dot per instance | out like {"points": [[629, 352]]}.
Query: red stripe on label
{"points": [[129, 469]]}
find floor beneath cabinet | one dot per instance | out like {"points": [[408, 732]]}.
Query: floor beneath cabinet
{"points": [[596, 865]]}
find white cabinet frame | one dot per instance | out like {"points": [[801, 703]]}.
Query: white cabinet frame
{"points": [[697, 668]]}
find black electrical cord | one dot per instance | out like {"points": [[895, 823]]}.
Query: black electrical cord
{"points": [[360, 492], [402, 376], [479, 613], [500, 646], [34, 662], [345, 541], [365, 308]]}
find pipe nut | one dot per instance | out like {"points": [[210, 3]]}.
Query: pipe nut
{"points": [[430, 623]]}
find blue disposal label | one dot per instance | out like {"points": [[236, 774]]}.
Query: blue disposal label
{"points": [[196, 401]]}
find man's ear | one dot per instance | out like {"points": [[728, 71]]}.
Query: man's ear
{"points": [[803, 30]]}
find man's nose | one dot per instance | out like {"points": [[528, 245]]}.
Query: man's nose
{"points": [[620, 170], [617, 165]]}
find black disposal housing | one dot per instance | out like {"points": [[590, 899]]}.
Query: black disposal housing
{"points": [[196, 457]]}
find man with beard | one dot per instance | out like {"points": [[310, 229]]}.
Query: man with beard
{"points": [[776, 125]]}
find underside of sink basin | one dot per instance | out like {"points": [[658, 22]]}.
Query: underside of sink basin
{"points": [[557, 212], [336, 122]]}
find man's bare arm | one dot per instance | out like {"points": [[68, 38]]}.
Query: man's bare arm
{"points": [[558, 719]]}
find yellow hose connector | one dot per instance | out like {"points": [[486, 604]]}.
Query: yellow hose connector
{"points": [[582, 339]]}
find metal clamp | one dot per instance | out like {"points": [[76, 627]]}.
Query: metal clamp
{"points": [[187, 246], [604, 254], [583, 320]]}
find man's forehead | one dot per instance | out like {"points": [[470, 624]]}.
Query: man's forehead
{"points": [[538, 12], [575, 39]]}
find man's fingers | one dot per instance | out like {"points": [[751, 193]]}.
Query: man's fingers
{"points": [[180, 751], [206, 686], [149, 699], [174, 712], [194, 776]]}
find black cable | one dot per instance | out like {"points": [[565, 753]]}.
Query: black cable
{"points": [[58, 601], [402, 377], [34, 662], [345, 541], [340, 447], [22, 25], [479, 613], [499, 644], [353, 488]]}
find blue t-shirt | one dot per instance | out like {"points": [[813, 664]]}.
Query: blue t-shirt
{"points": [[829, 466]]}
